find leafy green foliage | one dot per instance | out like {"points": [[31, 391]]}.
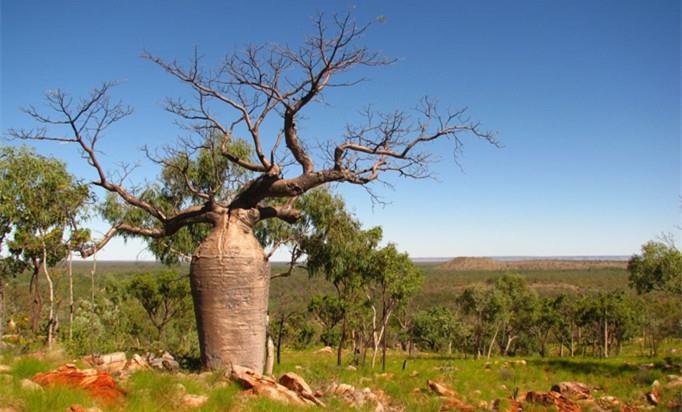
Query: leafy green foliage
{"points": [[659, 267], [39, 200]]}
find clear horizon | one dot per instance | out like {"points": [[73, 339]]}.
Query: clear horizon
{"points": [[585, 97]]}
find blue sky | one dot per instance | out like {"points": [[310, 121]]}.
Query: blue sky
{"points": [[585, 96]]}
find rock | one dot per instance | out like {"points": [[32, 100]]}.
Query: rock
{"points": [[552, 399], [608, 402], [441, 389], [326, 349], [653, 397], [294, 382], [507, 405], [136, 362], [258, 384], [674, 384], [29, 385], [342, 389], [5, 369], [573, 390], [99, 384], [194, 401], [454, 404], [78, 408], [163, 362], [452, 401]]}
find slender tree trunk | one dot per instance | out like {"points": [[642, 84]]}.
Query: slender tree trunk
{"points": [[2, 305], [230, 279], [492, 341], [383, 349], [51, 323], [270, 357], [342, 341], [92, 279], [279, 338], [69, 273], [606, 336], [37, 300]]}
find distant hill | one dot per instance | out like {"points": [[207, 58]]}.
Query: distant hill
{"points": [[490, 264]]}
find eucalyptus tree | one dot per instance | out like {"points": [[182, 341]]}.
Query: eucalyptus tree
{"points": [[249, 91], [40, 201], [391, 281], [658, 267]]}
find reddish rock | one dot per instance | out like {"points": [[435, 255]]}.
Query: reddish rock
{"points": [[552, 399], [99, 384], [573, 390]]}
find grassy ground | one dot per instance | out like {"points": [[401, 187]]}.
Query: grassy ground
{"points": [[478, 382]]}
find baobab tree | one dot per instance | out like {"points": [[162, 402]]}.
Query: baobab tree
{"points": [[272, 83]]}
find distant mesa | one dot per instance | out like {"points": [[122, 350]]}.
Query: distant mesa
{"points": [[464, 263]]}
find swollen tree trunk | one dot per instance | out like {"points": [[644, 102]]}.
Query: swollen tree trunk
{"points": [[230, 278]]}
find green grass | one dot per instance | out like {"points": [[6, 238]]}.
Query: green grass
{"points": [[478, 382]]}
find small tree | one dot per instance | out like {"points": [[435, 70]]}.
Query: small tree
{"points": [[262, 85], [164, 296], [39, 201], [659, 267], [392, 279]]}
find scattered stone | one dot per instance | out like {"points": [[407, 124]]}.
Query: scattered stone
{"points": [[99, 384], [194, 401], [299, 367], [609, 402], [440, 389], [111, 362], [326, 349], [360, 398], [351, 368], [573, 390], [30, 385], [452, 401], [5, 369], [552, 399], [164, 362], [296, 383], [653, 397], [507, 405], [136, 362], [454, 404], [258, 384], [78, 408]]}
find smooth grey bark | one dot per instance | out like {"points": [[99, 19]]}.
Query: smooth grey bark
{"points": [[230, 279]]}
